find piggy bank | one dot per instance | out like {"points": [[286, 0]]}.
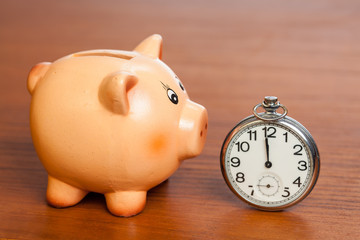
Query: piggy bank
{"points": [[112, 122]]}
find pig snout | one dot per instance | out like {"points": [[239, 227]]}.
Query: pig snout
{"points": [[193, 129]]}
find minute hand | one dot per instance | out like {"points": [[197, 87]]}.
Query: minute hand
{"points": [[268, 164]]}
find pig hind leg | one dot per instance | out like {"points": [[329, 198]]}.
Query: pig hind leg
{"points": [[126, 203], [60, 194]]}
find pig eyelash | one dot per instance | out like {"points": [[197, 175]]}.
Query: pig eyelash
{"points": [[166, 87]]}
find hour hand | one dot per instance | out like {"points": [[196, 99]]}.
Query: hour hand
{"points": [[268, 164]]}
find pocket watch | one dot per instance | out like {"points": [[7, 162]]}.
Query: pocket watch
{"points": [[270, 160]]}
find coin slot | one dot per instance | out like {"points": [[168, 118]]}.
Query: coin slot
{"points": [[104, 54]]}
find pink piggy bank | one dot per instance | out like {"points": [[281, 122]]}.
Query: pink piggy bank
{"points": [[112, 122]]}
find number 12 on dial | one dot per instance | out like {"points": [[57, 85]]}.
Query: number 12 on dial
{"points": [[270, 161]]}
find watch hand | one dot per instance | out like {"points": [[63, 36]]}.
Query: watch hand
{"points": [[268, 185], [268, 164]]}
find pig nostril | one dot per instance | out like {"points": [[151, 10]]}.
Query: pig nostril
{"points": [[201, 133], [205, 126]]}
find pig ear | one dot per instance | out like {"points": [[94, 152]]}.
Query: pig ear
{"points": [[151, 46], [113, 92], [36, 73]]}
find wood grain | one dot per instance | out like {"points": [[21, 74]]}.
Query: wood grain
{"points": [[229, 55]]}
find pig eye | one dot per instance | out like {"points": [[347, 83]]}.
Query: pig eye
{"points": [[172, 96], [181, 86]]}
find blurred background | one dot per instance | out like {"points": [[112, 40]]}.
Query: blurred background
{"points": [[234, 46], [237, 47]]}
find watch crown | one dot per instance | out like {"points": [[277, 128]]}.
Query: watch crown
{"points": [[270, 104], [270, 101]]}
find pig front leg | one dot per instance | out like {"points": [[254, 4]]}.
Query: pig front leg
{"points": [[60, 194], [126, 203]]}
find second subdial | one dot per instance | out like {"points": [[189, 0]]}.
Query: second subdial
{"points": [[268, 185]]}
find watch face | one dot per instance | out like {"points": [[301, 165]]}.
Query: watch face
{"points": [[268, 164]]}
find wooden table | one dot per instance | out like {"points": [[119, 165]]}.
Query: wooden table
{"points": [[229, 55]]}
